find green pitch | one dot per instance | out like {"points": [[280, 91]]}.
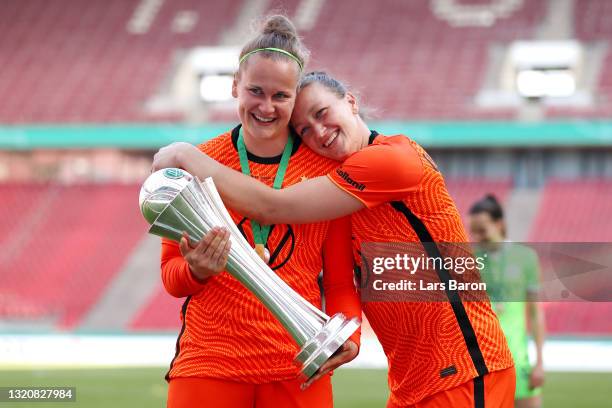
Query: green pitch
{"points": [[145, 387]]}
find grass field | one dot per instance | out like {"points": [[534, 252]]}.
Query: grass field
{"points": [[145, 387]]}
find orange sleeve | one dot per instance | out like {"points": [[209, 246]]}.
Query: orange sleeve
{"points": [[381, 172], [176, 275], [338, 283]]}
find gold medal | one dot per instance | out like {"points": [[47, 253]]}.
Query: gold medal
{"points": [[261, 251], [260, 233]]}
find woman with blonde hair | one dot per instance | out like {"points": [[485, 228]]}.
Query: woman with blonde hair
{"points": [[231, 351]]}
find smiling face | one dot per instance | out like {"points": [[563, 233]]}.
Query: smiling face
{"points": [[327, 123], [265, 89]]}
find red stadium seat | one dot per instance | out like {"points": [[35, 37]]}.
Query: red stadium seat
{"points": [[74, 61], [66, 243]]}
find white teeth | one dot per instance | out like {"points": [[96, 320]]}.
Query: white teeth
{"points": [[330, 140], [265, 120]]}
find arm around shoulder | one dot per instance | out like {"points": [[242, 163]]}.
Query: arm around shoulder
{"points": [[313, 200]]}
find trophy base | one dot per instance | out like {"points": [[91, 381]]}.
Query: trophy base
{"points": [[322, 345]]}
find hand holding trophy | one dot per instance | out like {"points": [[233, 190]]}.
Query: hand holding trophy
{"points": [[172, 201]]}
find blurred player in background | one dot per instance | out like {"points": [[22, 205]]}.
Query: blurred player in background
{"points": [[231, 351], [440, 354], [512, 275]]}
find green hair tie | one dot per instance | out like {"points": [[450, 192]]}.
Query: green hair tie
{"points": [[287, 53]]}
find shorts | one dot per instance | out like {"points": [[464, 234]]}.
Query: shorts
{"points": [[193, 392], [493, 390]]}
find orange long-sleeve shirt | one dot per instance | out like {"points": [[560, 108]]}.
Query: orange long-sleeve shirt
{"points": [[430, 346], [227, 333]]}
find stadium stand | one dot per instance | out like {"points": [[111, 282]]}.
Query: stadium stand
{"points": [[75, 61], [466, 192], [571, 211], [418, 66], [65, 245], [162, 312], [426, 69], [592, 19], [592, 25], [69, 52], [578, 319]]}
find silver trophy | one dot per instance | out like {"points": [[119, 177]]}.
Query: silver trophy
{"points": [[173, 201]]}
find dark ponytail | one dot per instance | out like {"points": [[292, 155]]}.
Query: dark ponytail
{"points": [[489, 205]]}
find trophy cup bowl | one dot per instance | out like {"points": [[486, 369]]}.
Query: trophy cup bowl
{"points": [[173, 201]]}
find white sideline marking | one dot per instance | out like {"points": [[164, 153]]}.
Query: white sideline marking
{"points": [[80, 350]]}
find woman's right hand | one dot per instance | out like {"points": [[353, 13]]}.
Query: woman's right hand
{"points": [[346, 353], [172, 155], [209, 256], [187, 157]]}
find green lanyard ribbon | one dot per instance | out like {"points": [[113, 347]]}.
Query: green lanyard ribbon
{"points": [[260, 235]]}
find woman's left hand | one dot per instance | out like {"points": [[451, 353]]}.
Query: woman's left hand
{"points": [[536, 378]]}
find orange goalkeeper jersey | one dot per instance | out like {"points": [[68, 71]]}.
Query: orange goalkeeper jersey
{"points": [[227, 333], [431, 346]]}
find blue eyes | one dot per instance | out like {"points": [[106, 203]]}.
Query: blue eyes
{"points": [[257, 91], [318, 116]]}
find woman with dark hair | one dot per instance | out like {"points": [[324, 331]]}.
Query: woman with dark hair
{"points": [[512, 275]]}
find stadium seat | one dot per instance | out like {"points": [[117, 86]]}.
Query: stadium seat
{"points": [[57, 257]]}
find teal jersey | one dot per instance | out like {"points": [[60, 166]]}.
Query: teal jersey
{"points": [[511, 272]]}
